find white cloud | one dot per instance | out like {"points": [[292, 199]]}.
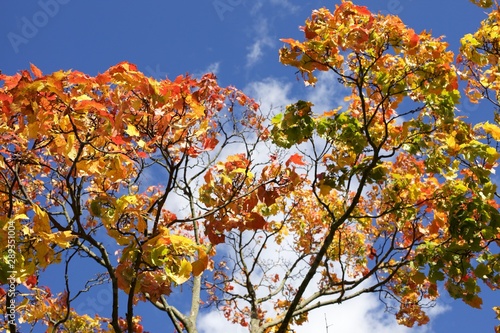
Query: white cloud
{"points": [[325, 94], [363, 314], [274, 93], [261, 32], [360, 315], [256, 7], [254, 53], [262, 40], [270, 93], [285, 4], [211, 68], [214, 321]]}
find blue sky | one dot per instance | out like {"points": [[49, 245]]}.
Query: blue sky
{"points": [[239, 41]]}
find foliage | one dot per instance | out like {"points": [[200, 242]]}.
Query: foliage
{"points": [[389, 193], [77, 158]]}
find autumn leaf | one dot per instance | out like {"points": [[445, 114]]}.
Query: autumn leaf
{"points": [[38, 73], [491, 129], [31, 281], [413, 38], [200, 264], [295, 159], [41, 220], [184, 272], [474, 301], [132, 130]]}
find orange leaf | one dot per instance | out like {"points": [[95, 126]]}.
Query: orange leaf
{"points": [[201, 264], [414, 38], [11, 81], [295, 159], [37, 72], [362, 10]]}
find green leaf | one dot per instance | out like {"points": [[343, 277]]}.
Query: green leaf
{"points": [[482, 271]]}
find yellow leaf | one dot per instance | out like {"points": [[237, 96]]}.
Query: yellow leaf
{"points": [[132, 130], [61, 238], [184, 272], [124, 201], [181, 242], [492, 130], [198, 109], [20, 217], [83, 97], [186, 268], [41, 220], [71, 150]]}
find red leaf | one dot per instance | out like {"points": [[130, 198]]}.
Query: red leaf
{"points": [[256, 221], [31, 281], [414, 38], [142, 154], [295, 159], [215, 237], [310, 34], [251, 202], [118, 140], [210, 143], [6, 98], [453, 85], [362, 10], [267, 196]]}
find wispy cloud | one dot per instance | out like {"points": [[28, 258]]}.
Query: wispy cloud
{"points": [[261, 41], [286, 5], [211, 68], [271, 93], [327, 94], [261, 31], [360, 315]]}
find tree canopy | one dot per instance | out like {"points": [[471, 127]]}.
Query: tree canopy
{"points": [[162, 186]]}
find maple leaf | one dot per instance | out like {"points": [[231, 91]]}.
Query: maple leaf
{"points": [[31, 281], [37, 72], [413, 38], [200, 264], [296, 159]]}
